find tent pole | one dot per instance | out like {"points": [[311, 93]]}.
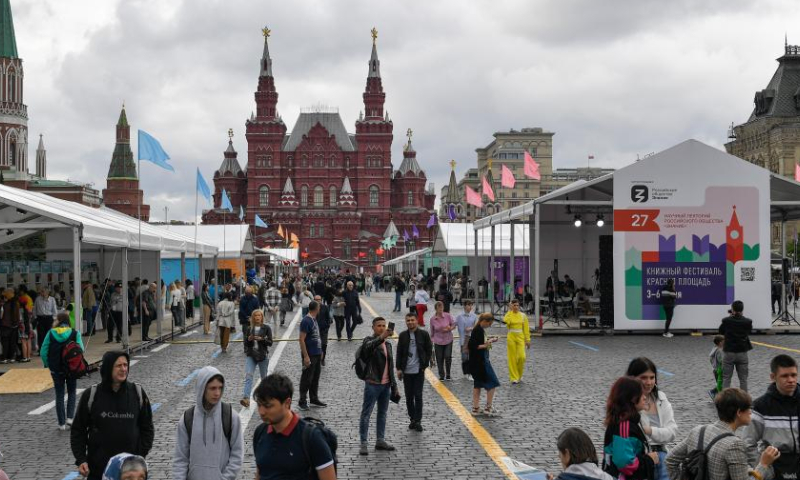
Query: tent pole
{"points": [[159, 310], [535, 264], [783, 266], [475, 264], [76, 277], [512, 265], [531, 271], [491, 275], [125, 319]]}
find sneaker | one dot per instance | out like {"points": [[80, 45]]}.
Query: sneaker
{"points": [[441, 379], [318, 403], [4, 361], [449, 378], [668, 335], [62, 427], [245, 402], [384, 445], [713, 394], [418, 427], [304, 407], [489, 411], [515, 382], [363, 449], [69, 422], [412, 425], [108, 341]]}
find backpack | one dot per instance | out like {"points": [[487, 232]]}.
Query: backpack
{"points": [[93, 390], [227, 421], [360, 365], [72, 359], [694, 465], [329, 437]]}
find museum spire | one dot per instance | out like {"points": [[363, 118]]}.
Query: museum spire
{"points": [[266, 61], [8, 40]]}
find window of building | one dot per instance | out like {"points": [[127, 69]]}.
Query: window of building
{"points": [[346, 247], [332, 162], [373, 220], [410, 198], [269, 161], [346, 162], [263, 196], [304, 160], [321, 231], [319, 161], [311, 231], [410, 245], [304, 196], [290, 160], [334, 196], [319, 196], [373, 196]]}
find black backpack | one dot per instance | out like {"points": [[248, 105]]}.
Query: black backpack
{"points": [[360, 365], [329, 437], [227, 421], [694, 465]]}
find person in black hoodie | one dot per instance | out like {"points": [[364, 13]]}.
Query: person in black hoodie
{"points": [[737, 329], [324, 321], [113, 417], [774, 419]]}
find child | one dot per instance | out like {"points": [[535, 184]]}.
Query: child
{"points": [[715, 357]]}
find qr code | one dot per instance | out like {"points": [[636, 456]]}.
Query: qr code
{"points": [[748, 274]]}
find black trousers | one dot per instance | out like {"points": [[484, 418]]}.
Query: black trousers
{"points": [[350, 322], [114, 322], [412, 385], [43, 325], [8, 338], [444, 358], [668, 311], [339, 325], [323, 335], [309, 380], [147, 319]]}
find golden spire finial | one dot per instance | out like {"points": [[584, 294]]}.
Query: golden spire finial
{"points": [[266, 31], [374, 32], [230, 134], [453, 164], [489, 163]]}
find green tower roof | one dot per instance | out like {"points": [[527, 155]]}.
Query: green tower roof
{"points": [[8, 42], [123, 119]]}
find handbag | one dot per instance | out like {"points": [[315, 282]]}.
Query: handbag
{"points": [[216, 336], [357, 319]]}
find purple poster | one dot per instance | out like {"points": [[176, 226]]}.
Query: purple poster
{"points": [[696, 283]]}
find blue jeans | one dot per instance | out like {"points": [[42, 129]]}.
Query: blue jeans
{"points": [[397, 296], [59, 379], [374, 393], [661, 468], [367, 289], [249, 369]]}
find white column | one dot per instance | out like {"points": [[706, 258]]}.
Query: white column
{"points": [[511, 260], [125, 319], [76, 276], [535, 263], [159, 310], [491, 274]]}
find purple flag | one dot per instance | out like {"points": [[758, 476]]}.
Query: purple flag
{"points": [[414, 231], [451, 212], [431, 221], [405, 235]]}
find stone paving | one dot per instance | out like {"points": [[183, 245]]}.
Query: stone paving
{"points": [[566, 382]]}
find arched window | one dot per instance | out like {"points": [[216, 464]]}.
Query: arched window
{"points": [[304, 196], [321, 231], [263, 196], [12, 84], [311, 231], [373, 196], [346, 247], [334, 196], [410, 198], [319, 196]]}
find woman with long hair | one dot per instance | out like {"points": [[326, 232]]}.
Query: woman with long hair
{"points": [[256, 351], [483, 376], [625, 444], [658, 420]]}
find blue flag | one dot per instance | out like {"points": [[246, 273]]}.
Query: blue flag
{"points": [[202, 186], [241, 213], [226, 201], [260, 223], [150, 149]]}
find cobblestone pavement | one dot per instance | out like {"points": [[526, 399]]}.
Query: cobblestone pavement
{"points": [[567, 379]]}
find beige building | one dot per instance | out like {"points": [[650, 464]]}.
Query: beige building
{"points": [[508, 148], [770, 138]]}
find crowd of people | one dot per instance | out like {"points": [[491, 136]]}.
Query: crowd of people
{"points": [[112, 425]]}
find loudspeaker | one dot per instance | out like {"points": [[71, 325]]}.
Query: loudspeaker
{"points": [[786, 270], [465, 271], [606, 281]]}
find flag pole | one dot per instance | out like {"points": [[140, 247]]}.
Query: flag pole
{"points": [[199, 267], [138, 214]]}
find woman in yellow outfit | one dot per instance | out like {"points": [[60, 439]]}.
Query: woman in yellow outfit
{"points": [[519, 339]]}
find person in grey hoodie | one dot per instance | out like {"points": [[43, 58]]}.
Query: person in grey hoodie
{"points": [[208, 454]]}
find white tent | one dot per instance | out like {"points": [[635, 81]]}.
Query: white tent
{"points": [[291, 254], [232, 241], [458, 239]]}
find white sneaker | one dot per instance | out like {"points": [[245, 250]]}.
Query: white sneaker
{"points": [[668, 335], [69, 422], [62, 427]]}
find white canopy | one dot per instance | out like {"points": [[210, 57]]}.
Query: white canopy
{"points": [[458, 239], [407, 256], [232, 241], [280, 253], [23, 213]]}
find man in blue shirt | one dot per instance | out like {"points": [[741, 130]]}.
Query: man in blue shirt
{"points": [[311, 348], [464, 323], [247, 305], [278, 442]]}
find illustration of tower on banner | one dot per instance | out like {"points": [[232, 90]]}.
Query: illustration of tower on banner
{"points": [[734, 237]]}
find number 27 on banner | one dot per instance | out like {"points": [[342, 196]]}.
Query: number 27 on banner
{"points": [[636, 220]]}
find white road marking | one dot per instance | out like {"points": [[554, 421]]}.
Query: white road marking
{"points": [[245, 414], [161, 347], [133, 362], [52, 404], [188, 333], [141, 356]]}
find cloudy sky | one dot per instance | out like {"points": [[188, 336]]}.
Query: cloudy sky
{"points": [[612, 78]]}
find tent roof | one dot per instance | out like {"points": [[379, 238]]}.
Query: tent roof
{"points": [[22, 209], [330, 262], [408, 256], [784, 191], [458, 239], [280, 253], [231, 241]]}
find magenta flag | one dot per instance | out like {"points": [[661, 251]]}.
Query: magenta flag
{"points": [[531, 168], [487, 189], [796, 172], [506, 177], [473, 198]]}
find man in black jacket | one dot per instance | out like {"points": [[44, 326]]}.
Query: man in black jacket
{"points": [[737, 329], [414, 354], [379, 384], [324, 321], [118, 420], [399, 290], [352, 309]]}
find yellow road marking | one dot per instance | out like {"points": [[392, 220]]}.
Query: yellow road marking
{"points": [[484, 438], [777, 347]]}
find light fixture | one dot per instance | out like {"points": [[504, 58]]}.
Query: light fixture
{"points": [[21, 211], [578, 221], [600, 220], [9, 232]]}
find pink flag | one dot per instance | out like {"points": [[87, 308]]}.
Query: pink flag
{"points": [[473, 198], [531, 168], [506, 177], [796, 172], [487, 189]]}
